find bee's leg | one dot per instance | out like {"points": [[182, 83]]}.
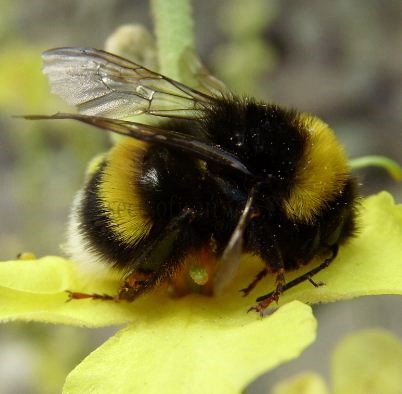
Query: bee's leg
{"points": [[75, 295], [134, 284], [266, 299], [279, 270], [246, 291], [150, 267]]}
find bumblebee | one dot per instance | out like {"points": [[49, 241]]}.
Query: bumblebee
{"points": [[215, 177]]}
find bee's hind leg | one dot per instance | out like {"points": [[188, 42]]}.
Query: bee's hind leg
{"points": [[137, 283], [156, 262], [150, 267], [134, 284]]}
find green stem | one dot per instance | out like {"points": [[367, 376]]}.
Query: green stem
{"points": [[174, 34], [391, 166]]}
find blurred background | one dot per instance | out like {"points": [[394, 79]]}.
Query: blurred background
{"points": [[339, 60]]}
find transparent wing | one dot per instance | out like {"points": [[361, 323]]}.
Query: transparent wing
{"points": [[186, 143], [205, 81], [102, 84]]}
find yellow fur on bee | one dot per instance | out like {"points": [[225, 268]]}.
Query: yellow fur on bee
{"points": [[321, 174], [119, 194]]}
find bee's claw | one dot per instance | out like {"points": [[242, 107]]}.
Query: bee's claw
{"points": [[245, 292], [257, 308], [264, 303], [253, 308]]}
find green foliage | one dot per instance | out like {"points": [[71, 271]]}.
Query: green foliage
{"points": [[391, 166]]}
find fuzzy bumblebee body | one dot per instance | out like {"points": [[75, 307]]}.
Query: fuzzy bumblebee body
{"points": [[220, 173]]}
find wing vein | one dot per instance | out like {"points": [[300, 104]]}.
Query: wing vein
{"points": [[102, 84]]}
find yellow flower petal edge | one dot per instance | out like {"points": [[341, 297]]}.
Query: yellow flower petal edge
{"points": [[185, 353], [305, 383], [368, 361]]}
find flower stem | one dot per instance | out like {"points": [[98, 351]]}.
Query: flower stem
{"points": [[391, 166], [174, 34]]}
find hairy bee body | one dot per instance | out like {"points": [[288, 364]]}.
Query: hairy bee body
{"points": [[215, 177], [139, 188]]}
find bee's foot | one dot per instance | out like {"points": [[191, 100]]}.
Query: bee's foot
{"points": [[260, 308], [314, 283], [265, 302], [246, 291], [257, 308]]}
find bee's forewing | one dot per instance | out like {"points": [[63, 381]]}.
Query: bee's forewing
{"points": [[99, 83], [186, 143]]}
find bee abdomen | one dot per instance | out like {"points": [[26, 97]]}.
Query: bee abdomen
{"points": [[109, 219]]}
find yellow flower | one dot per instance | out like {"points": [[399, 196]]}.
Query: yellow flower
{"points": [[199, 344]]}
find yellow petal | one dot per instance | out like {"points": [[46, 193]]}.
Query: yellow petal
{"points": [[187, 352], [35, 290], [368, 362]]}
